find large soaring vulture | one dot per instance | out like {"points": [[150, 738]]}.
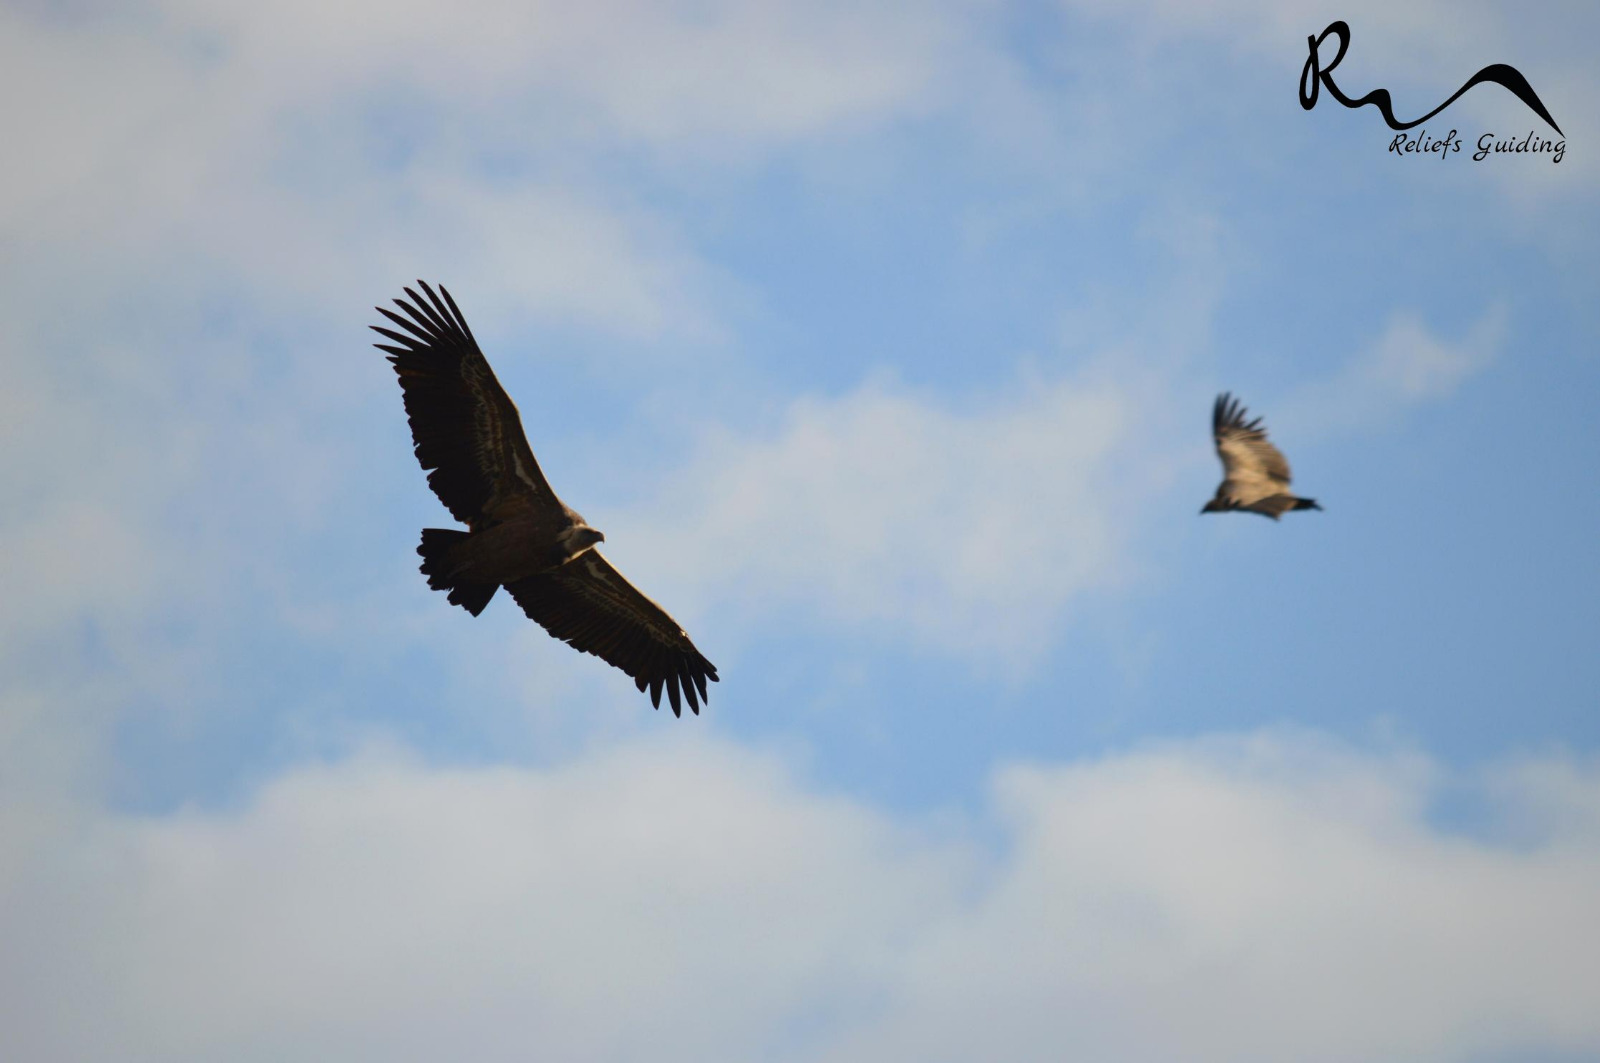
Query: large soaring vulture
{"points": [[520, 535], [1255, 474]]}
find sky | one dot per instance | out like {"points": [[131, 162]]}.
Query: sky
{"points": [[881, 340]]}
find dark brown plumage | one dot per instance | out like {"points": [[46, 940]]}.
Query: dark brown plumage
{"points": [[1255, 474], [520, 535]]}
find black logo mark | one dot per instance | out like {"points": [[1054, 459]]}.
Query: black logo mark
{"points": [[1313, 77]]}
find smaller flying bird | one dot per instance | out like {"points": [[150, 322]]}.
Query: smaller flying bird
{"points": [[1255, 474]]}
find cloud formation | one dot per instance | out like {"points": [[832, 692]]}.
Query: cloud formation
{"points": [[967, 528], [1267, 897], [1407, 363], [314, 151]]}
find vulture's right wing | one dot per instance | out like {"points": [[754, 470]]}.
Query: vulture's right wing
{"points": [[589, 604]]}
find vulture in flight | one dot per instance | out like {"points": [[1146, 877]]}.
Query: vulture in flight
{"points": [[519, 535], [1255, 474]]}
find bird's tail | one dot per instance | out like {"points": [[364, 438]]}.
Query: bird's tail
{"points": [[435, 547], [1306, 503]]}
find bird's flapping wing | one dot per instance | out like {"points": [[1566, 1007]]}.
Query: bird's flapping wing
{"points": [[1242, 445], [463, 423], [589, 605]]}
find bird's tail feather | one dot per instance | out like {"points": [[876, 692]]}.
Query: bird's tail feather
{"points": [[1306, 503], [436, 544]]}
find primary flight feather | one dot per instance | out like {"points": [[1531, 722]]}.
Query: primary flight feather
{"points": [[1255, 474], [519, 535]]}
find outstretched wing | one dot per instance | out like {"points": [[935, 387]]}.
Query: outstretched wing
{"points": [[1242, 445], [588, 604], [465, 426]]}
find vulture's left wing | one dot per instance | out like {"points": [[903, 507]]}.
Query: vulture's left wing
{"points": [[589, 604], [1242, 445]]}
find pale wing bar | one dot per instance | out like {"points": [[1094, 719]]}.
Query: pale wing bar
{"points": [[1242, 444]]}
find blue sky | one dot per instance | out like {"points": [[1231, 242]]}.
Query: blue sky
{"points": [[881, 342]]}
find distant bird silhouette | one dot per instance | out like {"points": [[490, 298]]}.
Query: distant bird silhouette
{"points": [[1255, 474], [520, 535]]}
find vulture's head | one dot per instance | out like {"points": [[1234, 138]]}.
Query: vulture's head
{"points": [[579, 538]]}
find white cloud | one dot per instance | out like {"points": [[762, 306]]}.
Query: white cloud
{"points": [[767, 71], [1412, 363], [1265, 900], [965, 528], [1407, 363], [683, 900], [1273, 897], [316, 152]]}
